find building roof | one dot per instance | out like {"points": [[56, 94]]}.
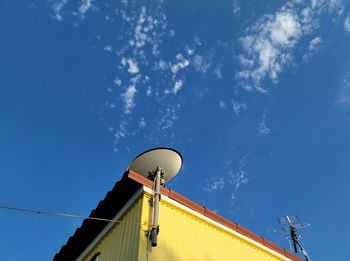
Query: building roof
{"points": [[114, 201]]}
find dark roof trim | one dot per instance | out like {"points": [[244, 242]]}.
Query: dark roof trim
{"points": [[114, 201], [107, 208]]}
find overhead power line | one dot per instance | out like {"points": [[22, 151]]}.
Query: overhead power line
{"points": [[64, 215]]}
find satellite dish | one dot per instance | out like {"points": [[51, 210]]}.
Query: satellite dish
{"points": [[169, 160]]}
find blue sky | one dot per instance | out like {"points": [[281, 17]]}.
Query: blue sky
{"points": [[255, 96]]}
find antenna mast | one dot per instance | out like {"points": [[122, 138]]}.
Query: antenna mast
{"points": [[159, 165], [290, 224]]}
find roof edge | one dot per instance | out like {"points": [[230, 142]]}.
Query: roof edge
{"points": [[213, 216]]}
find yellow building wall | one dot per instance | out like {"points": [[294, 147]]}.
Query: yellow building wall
{"points": [[122, 240], [184, 236]]}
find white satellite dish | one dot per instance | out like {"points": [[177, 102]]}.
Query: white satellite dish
{"points": [[159, 165], [169, 160]]}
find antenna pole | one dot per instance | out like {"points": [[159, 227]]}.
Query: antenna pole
{"points": [[297, 241], [155, 227], [292, 227]]}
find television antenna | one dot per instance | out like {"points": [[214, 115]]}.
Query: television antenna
{"points": [[290, 224], [159, 165]]}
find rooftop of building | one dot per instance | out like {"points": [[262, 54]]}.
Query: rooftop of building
{"points": [[116, 198]]}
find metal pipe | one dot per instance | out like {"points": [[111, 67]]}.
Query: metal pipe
{"points": [[308, 258], [155, 228]]}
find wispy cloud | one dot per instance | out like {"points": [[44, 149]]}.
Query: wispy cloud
{"points": [[144, 74], [238, 106], [268, 45], [121, 131], [200, 64], [331, 5], [239, 177], [131, 64], [57, 7], [222, 104], [343, 99], [180, 64], [262, 127], [230, 180], [84, 7], [169, 116], [236, 7], [128, 98], [313, 48], [215, 184], [108, 48], [178, 85], [142, 123], [217, 72], [347, 23], [268, 48]]}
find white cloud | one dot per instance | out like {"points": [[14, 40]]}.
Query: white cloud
{"points": [[309, 20], [169, 116], [150, 27], [238, 178], [269, 44], [136, 79], [198, 41], [215, 184], [108, 48], [344, 96], [199, 64], [336, 6], [347, 23], [189, 50], [314, 43], [284, 29], [218, 73], [142, 29], [313, 48], [178, 85], [262, 127], [222, 104], [57, 7], [344, 92], [133, 66], [140, 35], [236, 8], [84, 7], [245, 61], [142, 123], [237, 107], [149, 91], [171, 33], [267, 48], [117, 81], [121, 131], [180, 64], [231, 178], [162, 65], [128, 98]]}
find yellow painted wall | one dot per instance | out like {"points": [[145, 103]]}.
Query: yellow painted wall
{"points": [[184, 236], [122, 240]]}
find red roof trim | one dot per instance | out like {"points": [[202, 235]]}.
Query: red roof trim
{"points": [[212, 215]]}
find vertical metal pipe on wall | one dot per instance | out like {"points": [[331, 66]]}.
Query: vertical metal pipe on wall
{"points": [[155, 229]]}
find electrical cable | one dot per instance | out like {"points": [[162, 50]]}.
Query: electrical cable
{"points": [[64, 215]]}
